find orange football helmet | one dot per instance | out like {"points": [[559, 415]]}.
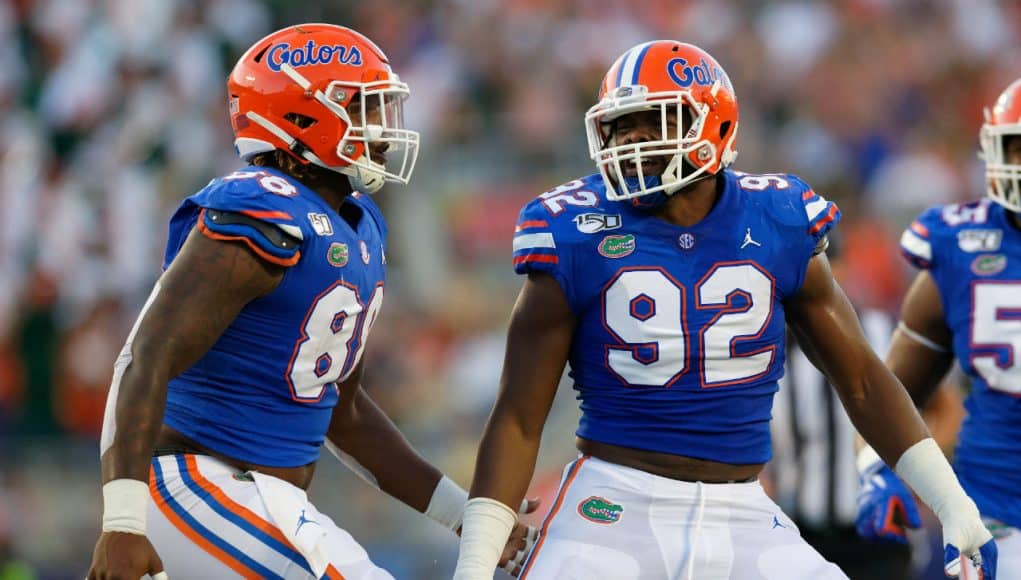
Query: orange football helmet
{"points": [[671, 77], [323, 93], [1003, 180]]}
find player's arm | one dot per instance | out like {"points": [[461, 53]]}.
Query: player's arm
{"points": [[919, 356], [195, 300], [538, 342], [881, 408], [364, 439], [829, 332], [920, 353]]}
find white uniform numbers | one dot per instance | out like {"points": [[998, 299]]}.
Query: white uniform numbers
{"points": [[644, 310], [996, 333], [763, 182], [326, 352], [556, 200], [957, 214], [268, 181], [744, 295]]}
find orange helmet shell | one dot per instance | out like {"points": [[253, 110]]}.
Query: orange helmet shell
{"points": [[322, 54], [1003, 179], [679, 73]]}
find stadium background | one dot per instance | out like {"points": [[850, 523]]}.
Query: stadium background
{"points": [[111, 111]]}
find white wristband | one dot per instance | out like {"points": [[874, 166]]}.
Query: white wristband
{"points": [[125, 502], [925, 469], [487, 526], [867, 457], [447, 504]]}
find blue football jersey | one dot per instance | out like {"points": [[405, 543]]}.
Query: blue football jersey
{"points": [[973, 253], [265, 391], [680, 336]]}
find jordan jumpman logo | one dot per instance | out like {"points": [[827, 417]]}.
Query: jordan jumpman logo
{"points": [[748, 239]]}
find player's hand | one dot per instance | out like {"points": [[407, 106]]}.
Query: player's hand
{"points": [[521, 540], [965, 533], [886, 507], [519, 545], [529, 505], [122, 556]]}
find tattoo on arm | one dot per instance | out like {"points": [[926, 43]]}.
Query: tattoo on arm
{"points": [[200, 295]]}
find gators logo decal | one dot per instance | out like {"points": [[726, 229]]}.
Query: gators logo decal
{"points": [[600, 510]]}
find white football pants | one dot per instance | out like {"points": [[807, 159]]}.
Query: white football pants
{"points": [[611, 522]]}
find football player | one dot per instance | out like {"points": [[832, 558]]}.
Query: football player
{"points": [[246, 358], [966, 303], [666, 280]]}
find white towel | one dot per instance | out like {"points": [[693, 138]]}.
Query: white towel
{"points": [[290, 510]]}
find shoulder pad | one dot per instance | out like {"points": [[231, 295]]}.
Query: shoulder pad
{"points": [[534, 243], [269, 241], [939, 225], [822, 214], [916, 241], [256, 192], [572, 197], [793, 201], [543, 234]]}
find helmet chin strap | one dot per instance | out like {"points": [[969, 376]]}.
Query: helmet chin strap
{"points": [[366, 175], [364, 179], [670, 177]]}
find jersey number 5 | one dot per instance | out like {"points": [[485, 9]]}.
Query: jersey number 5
{"points": [[332, 339], [644, 309], [996, 334]]}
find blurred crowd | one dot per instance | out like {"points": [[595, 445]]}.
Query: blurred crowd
{"points": [[112, 111]]}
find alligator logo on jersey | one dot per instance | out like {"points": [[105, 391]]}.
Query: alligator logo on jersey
{"points": [[989, 264], [701, 74], [337, 254], [972, 241], [312, 54], [600, 510], [590, 223], [617, 246]]}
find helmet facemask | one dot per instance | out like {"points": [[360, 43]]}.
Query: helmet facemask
{"points": [[373, 116], [375, 122], [1003, 179], [681, 125]]}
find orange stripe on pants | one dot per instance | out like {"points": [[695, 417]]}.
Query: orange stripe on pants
{"points": [[552, 513], [192, 535]]}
